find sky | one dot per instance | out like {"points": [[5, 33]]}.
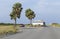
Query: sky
{"points": [[47, 10]]}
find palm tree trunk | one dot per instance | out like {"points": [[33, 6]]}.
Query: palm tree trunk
{"points": [[30, 22], [15, 23]]}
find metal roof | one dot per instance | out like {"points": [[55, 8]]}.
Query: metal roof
{"points": [[38, 21]]}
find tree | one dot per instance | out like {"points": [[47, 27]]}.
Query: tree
{"points": [[30, 15], [16, 11]]}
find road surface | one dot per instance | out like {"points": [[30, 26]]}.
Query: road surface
{"points": [[36, 33]]}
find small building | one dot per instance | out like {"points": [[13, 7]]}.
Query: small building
{"points": [[38, 22]]}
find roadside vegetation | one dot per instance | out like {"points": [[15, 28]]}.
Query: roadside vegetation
{"points": [[55, 24], [16, 12], [8, 29], [30, 14]]}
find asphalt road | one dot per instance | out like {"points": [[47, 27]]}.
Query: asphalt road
{"points": [[36, 33]]}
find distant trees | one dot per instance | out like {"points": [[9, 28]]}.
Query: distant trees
{"points": [[6, 23], [54, 23], [30, 15], [16, 11]]}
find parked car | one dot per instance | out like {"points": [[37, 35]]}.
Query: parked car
{"points": [[22, 25]]}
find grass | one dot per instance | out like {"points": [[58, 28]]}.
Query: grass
{"points": [[56, 25], [8, 29]]}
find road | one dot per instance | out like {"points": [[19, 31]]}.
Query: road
{"points": [[36, 33]]}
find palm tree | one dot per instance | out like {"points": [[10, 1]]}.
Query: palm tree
{"points": [[16, 11], [30, 15]]}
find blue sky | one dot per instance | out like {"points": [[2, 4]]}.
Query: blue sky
{"points": [[47, 10]]}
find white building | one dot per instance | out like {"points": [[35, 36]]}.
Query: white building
{"points": [[38, 22]]}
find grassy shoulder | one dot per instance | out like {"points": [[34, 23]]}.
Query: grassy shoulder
{"points": [[4, 29]]}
